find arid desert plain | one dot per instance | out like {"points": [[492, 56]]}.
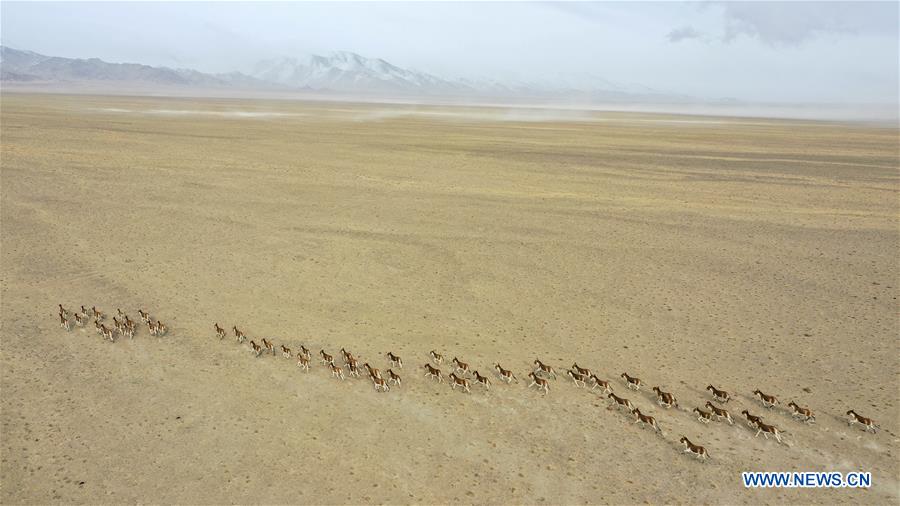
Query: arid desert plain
{"points": [[687, 251]]}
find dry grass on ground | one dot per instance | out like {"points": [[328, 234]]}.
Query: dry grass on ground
{"points": [[686, 251]]}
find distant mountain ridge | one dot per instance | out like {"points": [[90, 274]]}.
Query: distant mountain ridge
{"points": [[19, 65], [346, 71], [341, 72]]}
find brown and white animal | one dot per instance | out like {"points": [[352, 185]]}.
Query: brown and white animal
{"points": [[373, 372], [482, 380], [96, 313], [268, 345], [108, 333], [544, 368], [645, 419], [868, 423], [256, 348], [665, 399], [161, 328], [64, 322], [437, 357], [600, 383], [766, 429], [393, 377], [326, 358], [220, 331], [697, 450], [84, 312], [347, 355], [433, 372], [631, 381], [380, 384], [145, 317], [703, 416], [461, 366], [128, 328], [79, 320], [285, 351], [581, 370], [456, 381], [353, 368], [337, 372], [805, 414], [395, 360], [505, 374], [63, 312], [767, 400], [577, 378], [237, 334], [303, 361], [752, 420], [620, 401], [719, 395], [541, 383], [304, 351], [720, 413]]}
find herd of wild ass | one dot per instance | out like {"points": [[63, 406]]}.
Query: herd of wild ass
{"points": [[462, 376]]}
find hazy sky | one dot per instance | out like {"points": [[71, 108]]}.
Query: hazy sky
{"points": [[762, 51]]}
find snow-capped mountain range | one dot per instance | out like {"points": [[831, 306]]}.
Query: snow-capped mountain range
{"points": [[338, 72], [350, 72], [346, 71]]}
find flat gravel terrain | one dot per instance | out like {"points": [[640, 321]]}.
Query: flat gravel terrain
{"points": [[687, 251]]}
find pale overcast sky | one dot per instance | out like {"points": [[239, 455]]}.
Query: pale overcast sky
{"points": [[760, 51]]}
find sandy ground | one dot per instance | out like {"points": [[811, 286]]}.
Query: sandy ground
{"points": [[685, 251]]}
